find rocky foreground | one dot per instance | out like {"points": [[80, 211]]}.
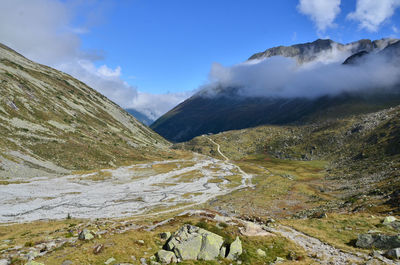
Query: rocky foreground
{"points": [[213, 239]]}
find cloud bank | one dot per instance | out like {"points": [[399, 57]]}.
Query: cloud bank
{"points": [[42, 30], [371, 14], [322, 13], [283, 77]]}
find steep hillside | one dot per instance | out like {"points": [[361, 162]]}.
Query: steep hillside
{"points": [[52, 123], [228, 109]]}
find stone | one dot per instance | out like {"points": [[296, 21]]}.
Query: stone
{"points": [[109, 261], [192, 243], [166, 257], [393, 253], [143, 261], [210, 248], [98, 249], [389, 219], [141, 242], [261, 253], [4, 262], [378, 241], [235, 249], [165, 235], [86, 234], [67, 262], [279, 259]]}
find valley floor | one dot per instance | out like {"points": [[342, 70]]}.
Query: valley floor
{"points": [[127, 207]]}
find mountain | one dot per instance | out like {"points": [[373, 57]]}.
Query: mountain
{"points": [[140, 116], [226, 109], [52, 123]]}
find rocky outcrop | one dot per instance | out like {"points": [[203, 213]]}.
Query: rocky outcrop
{"points": [[378, 241], [194, 243]]}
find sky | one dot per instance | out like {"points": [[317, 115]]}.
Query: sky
{"points": [[152, 54]]}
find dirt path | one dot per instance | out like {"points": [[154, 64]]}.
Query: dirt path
{"points": [[247, 177]]}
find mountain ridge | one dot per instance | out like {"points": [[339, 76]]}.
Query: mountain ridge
{"points": [[226, 110]]}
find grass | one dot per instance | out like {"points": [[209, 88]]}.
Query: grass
{"points": [[340, 230], [123, 246], [275, 194]]}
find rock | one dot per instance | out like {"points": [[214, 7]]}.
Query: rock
{"points": [[86, 234], [166, 257], [141, 242], [4, 262], [165, 235], [109, 261], [143, 261], [261, 253], [154, 263], [192, 243], [98, 249], [378, 241], [279, 259], [211, 246], [393, 253], [235, 249], [389, 219], [67, 262]]}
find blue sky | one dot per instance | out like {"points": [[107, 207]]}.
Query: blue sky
{"points": [[152, 54], [170, 45]]}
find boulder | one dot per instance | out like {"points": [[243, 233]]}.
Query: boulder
{"points": [[235, 249], [211, 246], [393, 253], [389, 219], [192, 243], [4, 262], [378, 241], [86, 234], [166, 257]]}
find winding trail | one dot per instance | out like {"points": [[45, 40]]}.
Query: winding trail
{"points": [[246, 177]]}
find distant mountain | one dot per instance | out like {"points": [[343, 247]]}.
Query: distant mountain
{"points": [[140, 116], [224, 111], [52, 123]]}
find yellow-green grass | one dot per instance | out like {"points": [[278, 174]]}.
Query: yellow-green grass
{"points": [[340, 230], [282, 187], [123, 246]]}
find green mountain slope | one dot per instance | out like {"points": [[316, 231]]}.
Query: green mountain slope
{"points": [[362, 154], [52, 123]]}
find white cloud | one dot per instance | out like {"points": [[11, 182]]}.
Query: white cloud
{"points": [[322, 12], [154, 105], [372, 13], [284, 78], [395, 29], [42, 30]]}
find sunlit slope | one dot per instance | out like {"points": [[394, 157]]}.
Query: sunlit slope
{"points": [[51, 122]]}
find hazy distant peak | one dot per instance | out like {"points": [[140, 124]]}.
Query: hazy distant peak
{"points": [[306, 52]]}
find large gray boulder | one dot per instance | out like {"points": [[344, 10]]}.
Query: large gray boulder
{"points": [[166, 257], [235, 249], [378, 241], [192, 243]]}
